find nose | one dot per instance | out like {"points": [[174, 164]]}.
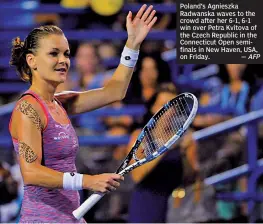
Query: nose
{"points": [[62, 58], [63, 61]]}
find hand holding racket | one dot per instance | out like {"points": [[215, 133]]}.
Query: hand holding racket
{"points": [[158, 135]]}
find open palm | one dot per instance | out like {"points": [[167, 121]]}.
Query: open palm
{"points": [[139, 27]]}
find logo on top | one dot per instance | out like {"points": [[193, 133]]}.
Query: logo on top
{"points": [[61, 135]]}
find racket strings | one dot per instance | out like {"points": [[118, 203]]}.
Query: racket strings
{"points": [[185, 110], [164, 127]]}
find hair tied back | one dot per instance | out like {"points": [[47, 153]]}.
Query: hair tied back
{"points": [[17, 42]]}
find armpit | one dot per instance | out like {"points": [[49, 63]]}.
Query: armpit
{"points": [[26, 152]]}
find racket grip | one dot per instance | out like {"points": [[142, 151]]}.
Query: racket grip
{"points": [[87, 205]]}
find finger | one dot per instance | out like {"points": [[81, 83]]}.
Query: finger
{"points": [[140, 12], [117, 177], [103, 190], [147, 12], [106, 191], [111, 188], [129, 17], [150, 25], [149, 19], [121, 178], [115, 183]]}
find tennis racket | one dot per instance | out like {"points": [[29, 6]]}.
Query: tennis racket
{"points": [[158, 135]]}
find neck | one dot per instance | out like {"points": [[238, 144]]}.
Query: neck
{"points": [[148, 92], [149, 85], [235, 82], [236, 85], [44, 89]]}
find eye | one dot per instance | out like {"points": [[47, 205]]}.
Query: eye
{"points": [[54, 54], [67, 54]]}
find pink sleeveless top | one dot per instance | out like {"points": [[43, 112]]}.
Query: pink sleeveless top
{"points": [[59, 148]]}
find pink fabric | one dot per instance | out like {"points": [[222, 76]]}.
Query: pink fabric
{"points": [[59, 146]]}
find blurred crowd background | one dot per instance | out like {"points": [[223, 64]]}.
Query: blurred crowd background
{"points": [[170, 189]]}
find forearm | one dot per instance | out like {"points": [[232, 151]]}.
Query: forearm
{"points": [[115, 90], [121, 78], [118, 85], [43, 176]]}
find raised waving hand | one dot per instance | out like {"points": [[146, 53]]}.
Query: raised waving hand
{"points": [[139, 26]]}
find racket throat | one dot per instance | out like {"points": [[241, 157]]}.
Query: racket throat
{"points": [[132, 166], [126, 162]]}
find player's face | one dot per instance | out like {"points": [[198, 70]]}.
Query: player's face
{"points": [[52, 59], [149, 72]]}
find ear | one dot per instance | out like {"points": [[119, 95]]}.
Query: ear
{"points": [[31, 61]]}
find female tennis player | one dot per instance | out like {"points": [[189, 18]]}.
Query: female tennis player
{"points": [[43, 136]]}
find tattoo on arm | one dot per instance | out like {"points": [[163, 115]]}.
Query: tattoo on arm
{"points": [[27, 109], [26, 152]]}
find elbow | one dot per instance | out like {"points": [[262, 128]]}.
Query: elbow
{"points": [[116, 90], [122, 96], [119, 96], [27, 178]]}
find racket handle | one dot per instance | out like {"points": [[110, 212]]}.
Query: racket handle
{"points": [[87, 205]]}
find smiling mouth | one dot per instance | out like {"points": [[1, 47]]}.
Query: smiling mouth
{"points": [[61, 70]]}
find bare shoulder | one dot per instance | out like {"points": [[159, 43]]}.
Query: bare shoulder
{"points": [[28, 109], [29, 105]]}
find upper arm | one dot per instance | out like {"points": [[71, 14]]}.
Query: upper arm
{"points": [[80, 102], [93, 99], [28, 121], [114, 90]]}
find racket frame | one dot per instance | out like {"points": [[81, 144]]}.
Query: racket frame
{"points": [[124, 168]]}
